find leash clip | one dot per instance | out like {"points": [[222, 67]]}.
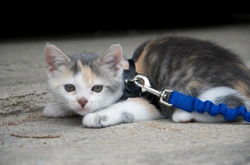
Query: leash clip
{"points": [[143, 82]]}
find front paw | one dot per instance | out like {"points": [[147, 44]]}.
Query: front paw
{"points": [[93, 120]]}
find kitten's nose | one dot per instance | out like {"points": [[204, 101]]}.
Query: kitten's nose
{"points": [[83, 101]]}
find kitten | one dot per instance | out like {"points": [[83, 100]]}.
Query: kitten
{"points": [[91, 85]]}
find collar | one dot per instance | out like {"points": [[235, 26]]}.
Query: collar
{"points": [[130, 89]]}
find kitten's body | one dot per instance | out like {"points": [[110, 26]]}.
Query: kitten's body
{"points": [[193, 67]]}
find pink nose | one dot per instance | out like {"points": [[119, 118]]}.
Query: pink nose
{"points": [[83, 101]]}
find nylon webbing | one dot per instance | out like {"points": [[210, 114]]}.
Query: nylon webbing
{"points": [[189, 103]]}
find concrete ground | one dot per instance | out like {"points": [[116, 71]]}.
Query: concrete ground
{"points": [[28, 138]]}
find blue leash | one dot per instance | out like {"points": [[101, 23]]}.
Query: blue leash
{"points": [[190, 103]]}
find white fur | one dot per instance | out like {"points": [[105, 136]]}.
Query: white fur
{"points": [[95, 102], [211, 94], [139, 109], [55, 110], [216, 92]]}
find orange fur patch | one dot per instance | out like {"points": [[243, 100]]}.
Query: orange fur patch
{"points": [[140, 65], [242, 67], [140, 62], [125, 64], [194, 85], [157, 42], [87, 73], [242, 87]]}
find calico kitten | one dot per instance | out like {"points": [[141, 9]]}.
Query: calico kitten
{"points": [[90, 85]]}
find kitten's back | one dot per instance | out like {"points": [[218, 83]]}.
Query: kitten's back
{"points": [[191, 66]]}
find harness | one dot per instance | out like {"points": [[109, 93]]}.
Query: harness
{"points": [[131, 90], [137, 85]]}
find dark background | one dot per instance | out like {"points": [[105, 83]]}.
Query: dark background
{"points": [[47, 20]]}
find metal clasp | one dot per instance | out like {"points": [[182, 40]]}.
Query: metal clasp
{"points": [[143, 82]]}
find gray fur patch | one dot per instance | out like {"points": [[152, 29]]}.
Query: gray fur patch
{"points": [[104, 118], [127, 117], [231, 101], [86, 58], [97, 121], [75, 68], [114, 88]]}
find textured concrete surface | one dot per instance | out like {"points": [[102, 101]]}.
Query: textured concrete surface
{"points": [[26, 137]]}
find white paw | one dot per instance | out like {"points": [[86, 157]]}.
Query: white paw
{"points": [[181, 116], [93, 120]]}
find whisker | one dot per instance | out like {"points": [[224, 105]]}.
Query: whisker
{"points": [[63, 110]]}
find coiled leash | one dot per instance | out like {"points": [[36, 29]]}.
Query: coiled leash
{"points": [[189, 103]]}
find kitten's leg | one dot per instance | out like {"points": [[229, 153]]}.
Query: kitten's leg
{"points": [[55, 110], [131, 110], [231, 97]]}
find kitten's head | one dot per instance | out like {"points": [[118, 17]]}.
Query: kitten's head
{"points": [[85, 82]]}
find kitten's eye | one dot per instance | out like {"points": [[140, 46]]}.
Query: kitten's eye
{"points": [[97, 88], [69, 87]]}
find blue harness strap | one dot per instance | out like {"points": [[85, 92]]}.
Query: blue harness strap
{"points": [[189, 104]]}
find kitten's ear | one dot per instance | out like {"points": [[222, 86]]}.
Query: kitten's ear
{"points": [[112, 57], [54, 58]]}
